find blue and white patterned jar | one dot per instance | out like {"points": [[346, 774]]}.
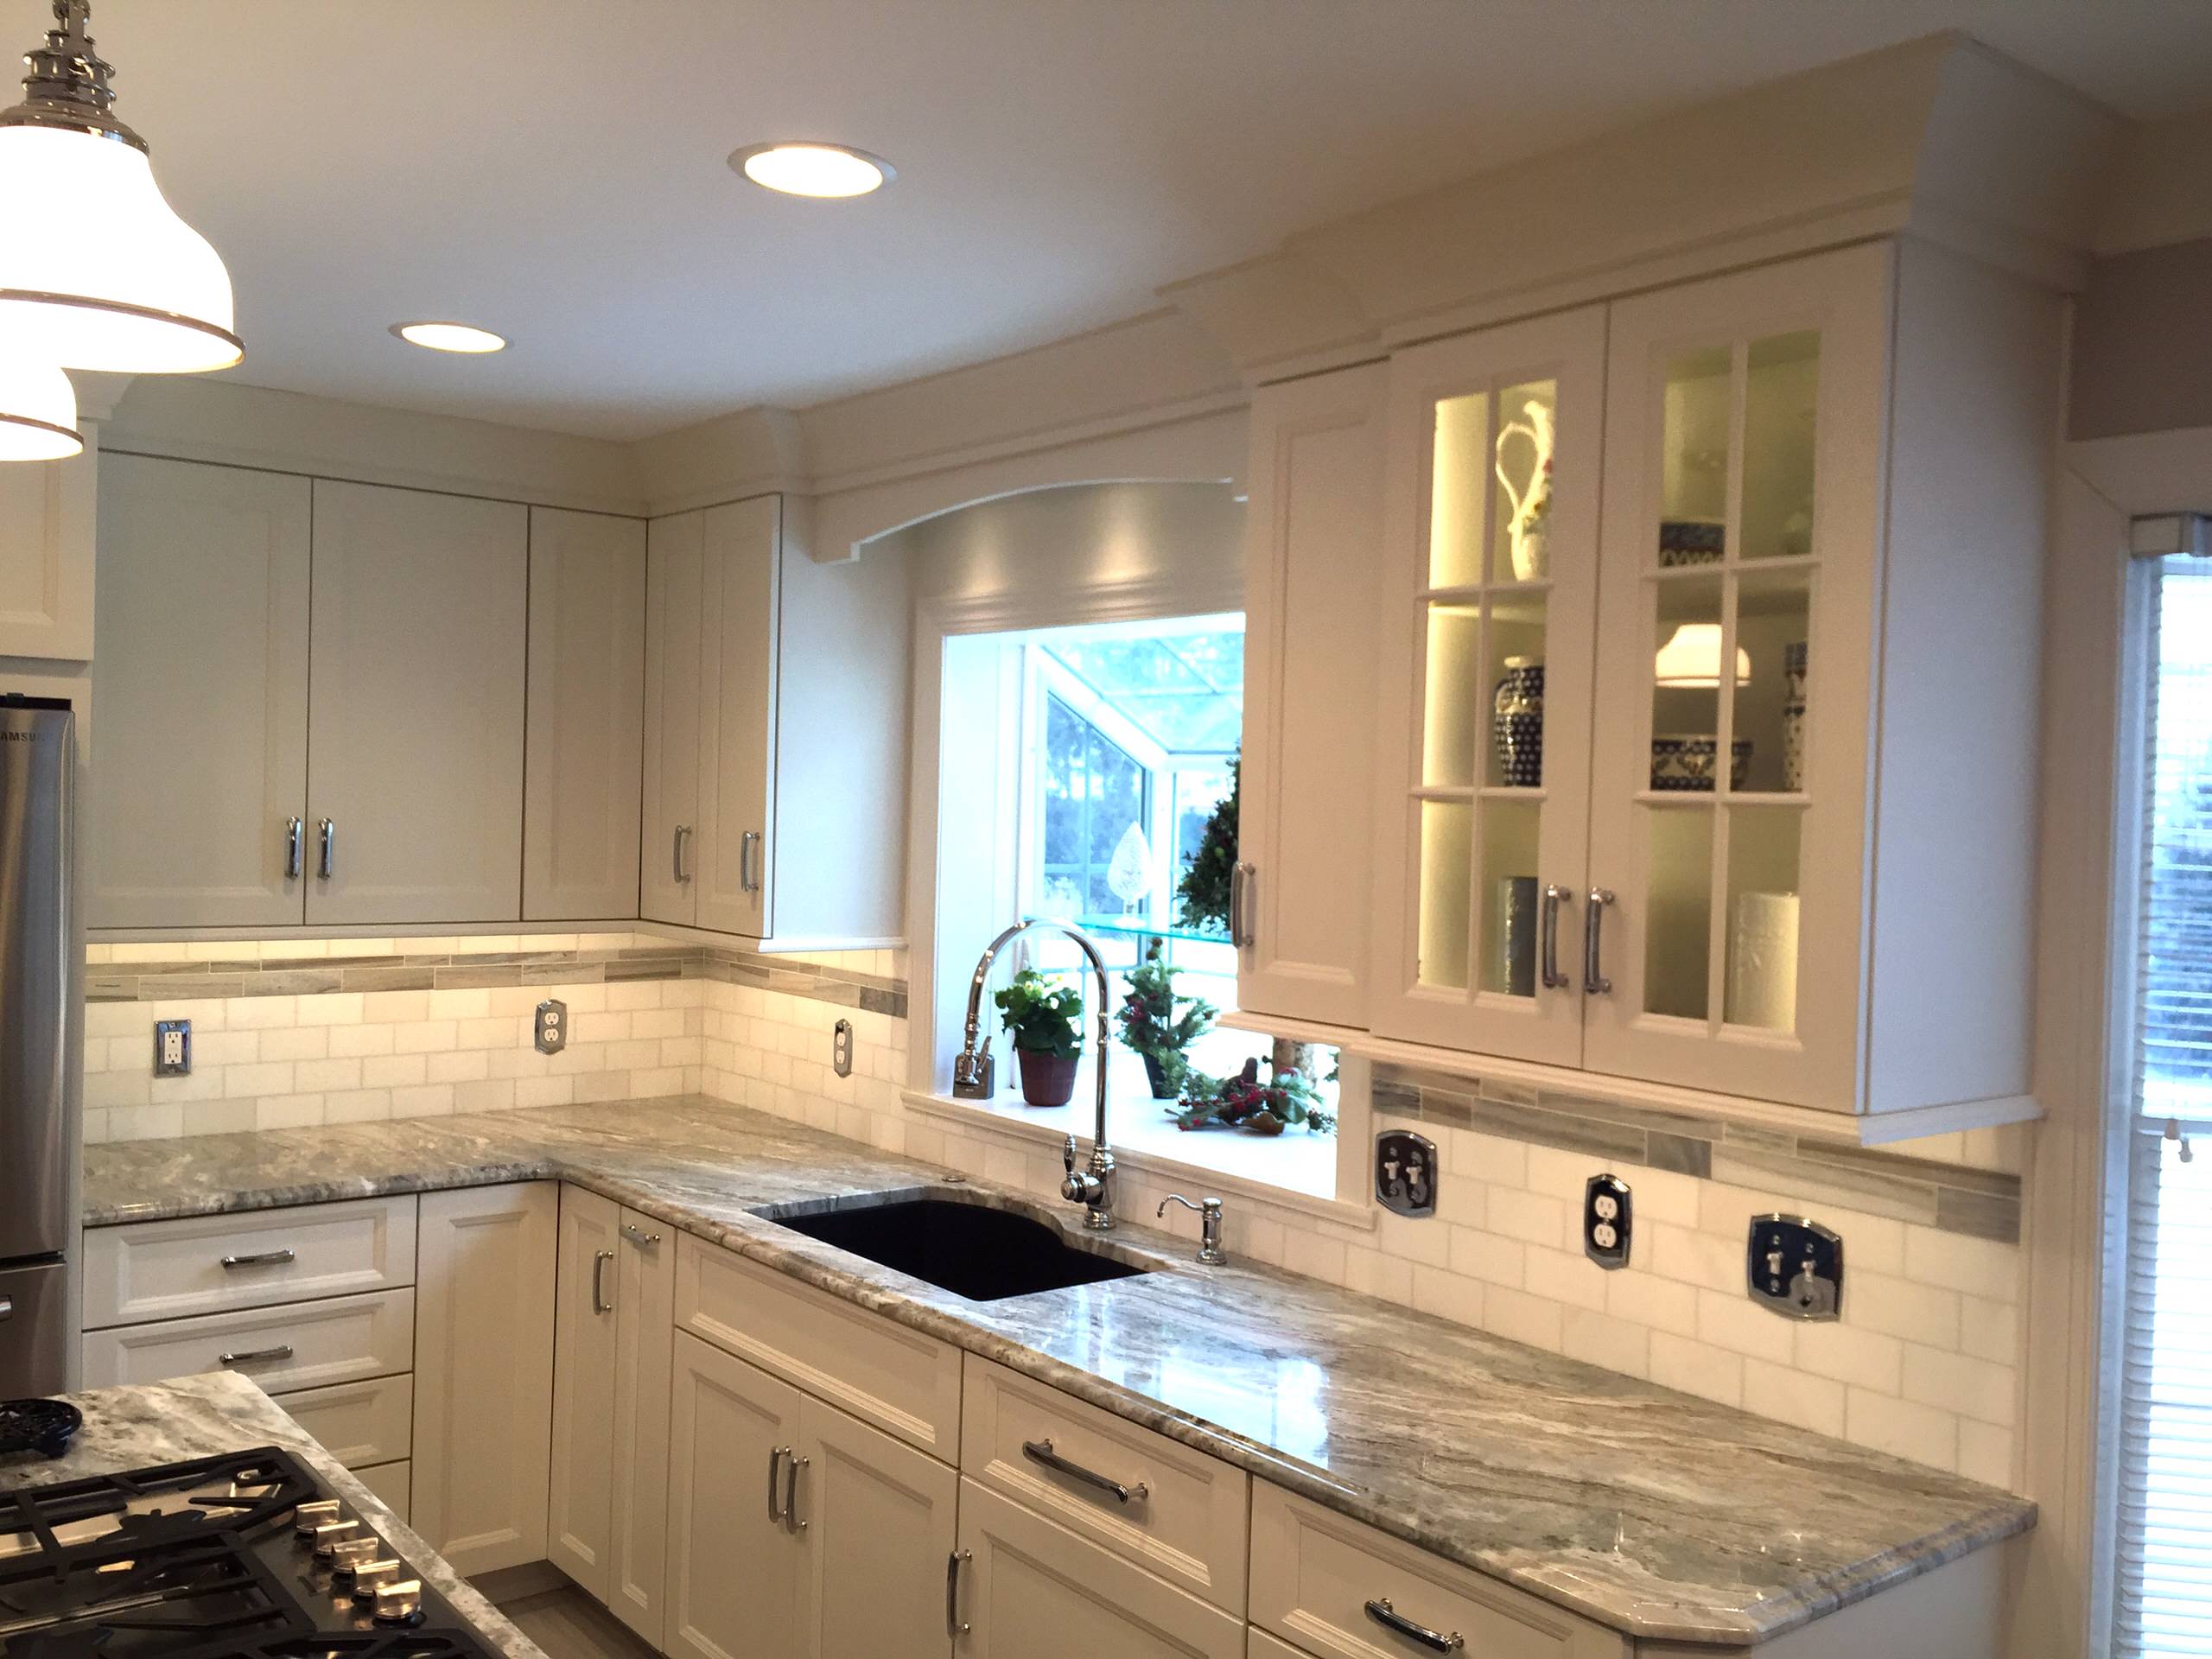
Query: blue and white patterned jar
{"points": [[1793, 716], [1517, 723]]}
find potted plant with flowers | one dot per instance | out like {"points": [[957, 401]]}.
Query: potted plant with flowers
{"points": [[1152, 1025], [1041, 1018]]}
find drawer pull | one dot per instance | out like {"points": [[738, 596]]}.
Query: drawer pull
{"points": [[638, 1237], [1041, 1452], [253, 1355], [259, 1259], [1391, 1620], [953, 1627]]}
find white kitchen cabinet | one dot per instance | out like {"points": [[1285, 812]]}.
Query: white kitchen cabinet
{"points": [[775, 732], [734, 1569], [586, 710], [414, 719], [607, 1515], [1472, 829], [1787, 651], [1027, 1585], [46, 515], [483, 1372], [199, 773], [669, 850], [393, 1483], [1315, 519], [877, 1521]]}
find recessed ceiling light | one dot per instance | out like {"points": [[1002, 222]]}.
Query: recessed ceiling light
{"points": [[449, 337], [813, 170]]}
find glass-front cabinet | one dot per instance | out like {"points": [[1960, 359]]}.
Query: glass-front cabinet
{"points": [[1627, 831], [1491, 538], [1743, 471]]}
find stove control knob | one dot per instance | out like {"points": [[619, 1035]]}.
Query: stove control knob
{"points": [[306, 1517], [330, 1535], [369, 1577], [350, 1552], [399, 1601]]}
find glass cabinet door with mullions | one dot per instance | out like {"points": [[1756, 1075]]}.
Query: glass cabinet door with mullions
{"points": [[1491, 534]]}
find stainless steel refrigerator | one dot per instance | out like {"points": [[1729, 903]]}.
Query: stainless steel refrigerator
{"points": [[39, 1067]]}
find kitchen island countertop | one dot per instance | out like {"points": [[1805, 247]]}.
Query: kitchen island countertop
{"points": [[1657, 1514]]}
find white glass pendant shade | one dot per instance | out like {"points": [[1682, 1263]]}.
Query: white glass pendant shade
{"points": [[97, 269], [1692, 658], [38, 410]]}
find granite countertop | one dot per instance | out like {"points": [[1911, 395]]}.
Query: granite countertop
{"points": [[201, 1416], [1659, 1514]]}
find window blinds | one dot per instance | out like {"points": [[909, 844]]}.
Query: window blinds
{"points": [[2163, 1582]]}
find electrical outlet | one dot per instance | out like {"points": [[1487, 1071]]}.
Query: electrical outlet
{"points": [[552, 1027], [1607, 1217], [841, 1048], [172, 1048]]}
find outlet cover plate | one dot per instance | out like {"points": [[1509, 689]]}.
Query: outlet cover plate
{"points": [[552, 1027], [172, 1048], [1607, 1221], [1405, 1173], [841, 1048]]}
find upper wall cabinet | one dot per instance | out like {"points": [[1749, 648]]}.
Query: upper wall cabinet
{"points": [[1315, 522], [199, 772], [1724, 781], [775, 732], [586, 711], [415, 722], [46, 555]]}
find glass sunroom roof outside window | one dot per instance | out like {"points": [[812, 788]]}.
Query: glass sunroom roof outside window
{"points": [[1184, 691]]}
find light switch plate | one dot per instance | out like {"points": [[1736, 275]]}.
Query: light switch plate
{"points": [[1405, 1173], [1796, 1267]]}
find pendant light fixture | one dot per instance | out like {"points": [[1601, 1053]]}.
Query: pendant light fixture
{"points": [[38, 410], [98, 271]]}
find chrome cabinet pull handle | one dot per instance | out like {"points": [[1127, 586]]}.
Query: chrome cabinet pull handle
{"points": [[1041, 1452], [1390, 1618], [598, 1303], [295, 847], [1554, 896], [1593, 940], [775, 1458], [791, 1493], [748, 861], [261, 1259], [682, 840], [638, 1237], [329, 865], [953, 1627], [282, 1350]]}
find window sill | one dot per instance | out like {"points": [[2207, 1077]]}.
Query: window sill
{"points": [[1162, 1153]]}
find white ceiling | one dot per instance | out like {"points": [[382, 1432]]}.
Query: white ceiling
{"points": [[553, 168]]}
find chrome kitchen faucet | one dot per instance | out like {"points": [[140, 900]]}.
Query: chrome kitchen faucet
{"points": [[1092, 1186]]}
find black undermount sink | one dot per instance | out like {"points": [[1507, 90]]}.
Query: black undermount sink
{"points": [[981, 1254]]}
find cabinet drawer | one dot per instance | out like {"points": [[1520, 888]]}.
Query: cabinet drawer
{"points": [[347, 1339], [900, 1380], [394, 1483], [1314, 1574], [359, 1423], [205, 1264], [1187, 1523]]}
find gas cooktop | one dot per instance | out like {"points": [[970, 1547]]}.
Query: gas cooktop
{"points": [[240, 1556]]}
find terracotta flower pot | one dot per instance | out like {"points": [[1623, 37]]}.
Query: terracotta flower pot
{"points": [[1046, 1079]]}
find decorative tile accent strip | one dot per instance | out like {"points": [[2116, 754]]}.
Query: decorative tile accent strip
{"points": [[452, 970], [1982, 1203]]}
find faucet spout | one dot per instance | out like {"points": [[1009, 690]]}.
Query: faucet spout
{"points": [[1092, 1186]]}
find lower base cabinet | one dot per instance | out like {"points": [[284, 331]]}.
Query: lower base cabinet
{"points": [[393, 1482], [484, 1373], [795, 1528], [1027, 1587]]}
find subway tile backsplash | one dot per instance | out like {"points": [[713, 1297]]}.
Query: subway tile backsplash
{"points": [[1924, 1364]]}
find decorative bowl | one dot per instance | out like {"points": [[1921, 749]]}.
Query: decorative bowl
{"points": [[1684, 762]]}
